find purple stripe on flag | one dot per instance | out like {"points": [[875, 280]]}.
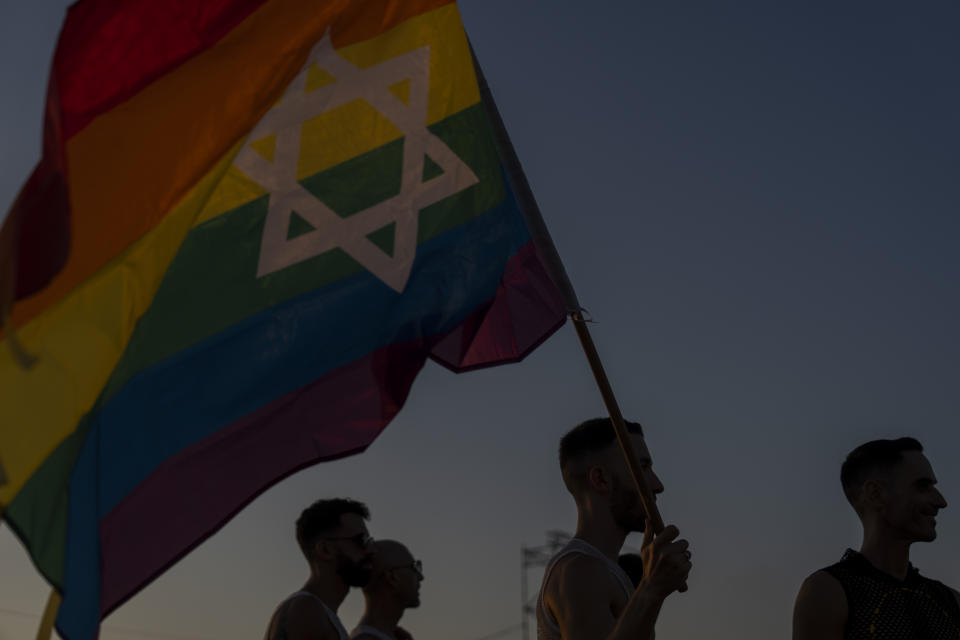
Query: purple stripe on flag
{"points": [[526, 311], [194, 493]]}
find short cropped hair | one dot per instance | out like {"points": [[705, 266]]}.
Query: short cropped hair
{"points": [[589, 437], [872, 457], [323, 518]]}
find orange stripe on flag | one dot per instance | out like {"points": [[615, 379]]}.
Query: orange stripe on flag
{"points": [[132, 164]]}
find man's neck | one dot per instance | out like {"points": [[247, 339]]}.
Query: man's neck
{"points": [[329, 588], [382, 614], [887, 554], [602, 533]]}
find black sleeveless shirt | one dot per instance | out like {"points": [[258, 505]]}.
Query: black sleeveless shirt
{"points": [[880, 607]]}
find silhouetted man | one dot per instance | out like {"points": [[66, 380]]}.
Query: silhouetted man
{"points": [[877, 593], [394, 588], [333, 537], [585, 595]]}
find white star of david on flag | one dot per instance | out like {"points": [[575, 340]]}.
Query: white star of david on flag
{"points": [[286, 195]]}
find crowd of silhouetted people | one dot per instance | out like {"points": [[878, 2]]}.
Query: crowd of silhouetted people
{"points": [[591, 591]]}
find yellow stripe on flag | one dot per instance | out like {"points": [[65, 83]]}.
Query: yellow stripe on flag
{"points": [[79, 341], [356, 127], [80, 338]]}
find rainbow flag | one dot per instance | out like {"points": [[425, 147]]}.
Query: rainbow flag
{"points": [[277, 211]]}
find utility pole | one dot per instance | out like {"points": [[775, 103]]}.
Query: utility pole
{"points": [[536, 557]]}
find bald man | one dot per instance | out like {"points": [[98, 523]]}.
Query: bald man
{"points": [[394, 588]]}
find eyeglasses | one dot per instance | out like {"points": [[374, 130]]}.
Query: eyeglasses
{"points": [[416, 565], [362, 540]]}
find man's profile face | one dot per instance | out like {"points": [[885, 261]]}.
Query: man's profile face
{"points": [[912, 499], [397, 574], [408, 577], [354, 551], [625, 504]]}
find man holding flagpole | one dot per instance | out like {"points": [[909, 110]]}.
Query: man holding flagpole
{"points": [[585, 595]]}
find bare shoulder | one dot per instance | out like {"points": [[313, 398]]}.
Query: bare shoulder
{"points": [[824, 591], [820, 611], [306, 620], [579, 596], [576, 574]]}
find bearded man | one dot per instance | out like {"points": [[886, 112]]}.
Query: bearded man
{"points": [[585, 594], [333, 537]]}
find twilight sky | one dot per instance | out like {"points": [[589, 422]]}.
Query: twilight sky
{"points": [[759, 204]]}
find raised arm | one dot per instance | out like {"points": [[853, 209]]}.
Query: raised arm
{"points": [[583, 608], [820, 612], [666, 565]]}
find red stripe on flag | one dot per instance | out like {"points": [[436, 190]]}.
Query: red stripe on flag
{"points": [[110, 49], [525, 312], [39, 218]]}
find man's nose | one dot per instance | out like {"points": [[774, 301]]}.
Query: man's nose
{"points": [[657, 485], [941, 502]]}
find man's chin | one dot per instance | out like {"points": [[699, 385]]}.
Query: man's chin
{"points": [[926, 533]]}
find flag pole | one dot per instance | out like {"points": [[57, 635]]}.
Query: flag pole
{"points": [[49, 616], [550, 259]]}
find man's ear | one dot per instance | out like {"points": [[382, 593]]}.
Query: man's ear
{"points": [[874, 495], [391, 577], [321, 550], [598, 479]]}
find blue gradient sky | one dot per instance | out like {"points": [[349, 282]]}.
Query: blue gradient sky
{"points": [[759, 204]]}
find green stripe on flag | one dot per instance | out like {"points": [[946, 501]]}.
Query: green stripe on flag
{"points": [[38, 513], [212, 285], [212, 282]]}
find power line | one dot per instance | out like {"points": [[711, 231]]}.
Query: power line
{"points": [[501, 632], [151, 635], [22, 614], [142, 633], [536, 557]]}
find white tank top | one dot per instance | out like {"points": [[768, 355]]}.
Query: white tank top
{"points": [[373, 631], [334, 620], [547, 628]]}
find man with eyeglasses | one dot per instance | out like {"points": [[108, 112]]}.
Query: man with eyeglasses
{"points": [[334, 538], [394, 587]]}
